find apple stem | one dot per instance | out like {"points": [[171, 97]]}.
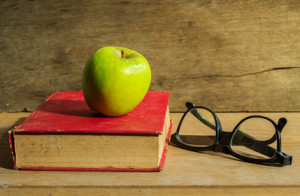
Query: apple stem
{"points": [[122, 53]]}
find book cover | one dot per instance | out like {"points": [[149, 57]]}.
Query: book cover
{"points": [[63, 133]]}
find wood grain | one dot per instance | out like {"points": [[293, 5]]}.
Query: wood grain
{"points": [[166, 191], [227, 55], [185, 172]]}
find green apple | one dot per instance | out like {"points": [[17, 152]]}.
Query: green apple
{"points": [[115, 80]]}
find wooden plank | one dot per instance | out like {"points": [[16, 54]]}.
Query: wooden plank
{"points": [[184, 172], [228, 55], [166, 191]]}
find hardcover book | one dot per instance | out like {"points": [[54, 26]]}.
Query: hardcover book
{"points": [[63, 133]]}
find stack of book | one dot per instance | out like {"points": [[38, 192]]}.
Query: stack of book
{"points": [[63, 133]]}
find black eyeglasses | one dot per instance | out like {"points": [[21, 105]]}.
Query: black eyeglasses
{"points": [[254, 139]]}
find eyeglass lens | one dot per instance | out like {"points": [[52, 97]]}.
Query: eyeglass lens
{"points": [[253, 139], [198, 128]]}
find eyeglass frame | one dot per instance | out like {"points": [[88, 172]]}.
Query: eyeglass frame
{"points": [[225, 146]]}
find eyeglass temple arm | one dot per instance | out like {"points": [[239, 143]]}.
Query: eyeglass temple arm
{"points": [[255, 145], [281, 124], [189, 106]]}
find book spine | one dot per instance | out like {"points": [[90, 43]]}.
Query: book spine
{"points": [[12, 145]]}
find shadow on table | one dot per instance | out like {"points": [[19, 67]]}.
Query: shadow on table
{"points": [[204, 140], [6, 160]]}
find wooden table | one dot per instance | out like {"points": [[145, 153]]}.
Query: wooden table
{"points": [[185, 173]]}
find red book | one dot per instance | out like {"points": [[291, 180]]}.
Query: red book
{"points": [[63, 133]]}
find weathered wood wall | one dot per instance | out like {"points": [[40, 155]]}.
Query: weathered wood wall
{"points": [[241, 55]]}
